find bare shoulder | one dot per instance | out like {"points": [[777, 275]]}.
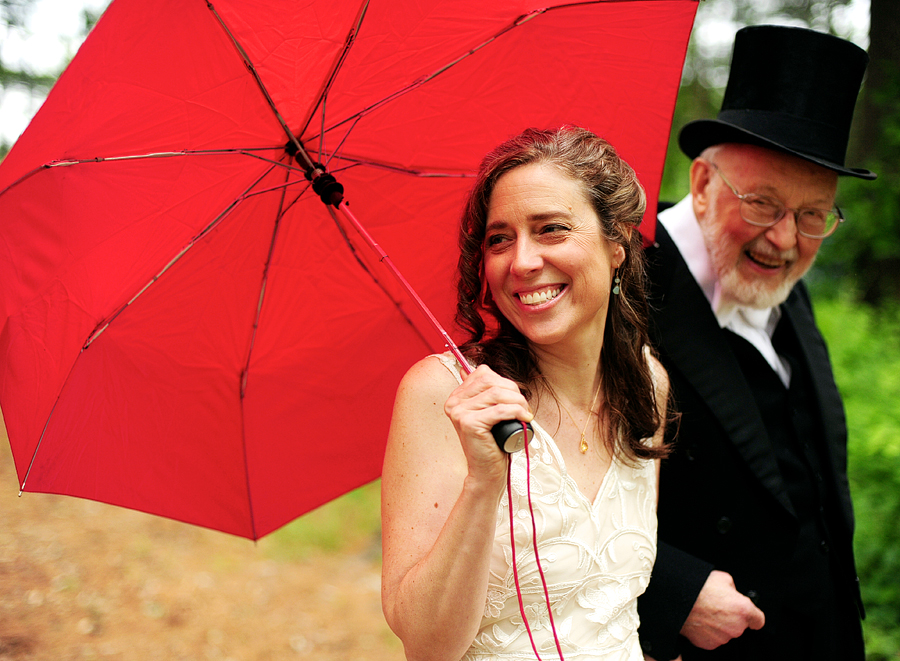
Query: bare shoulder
{"points": [[427, 378], [419, 426]]}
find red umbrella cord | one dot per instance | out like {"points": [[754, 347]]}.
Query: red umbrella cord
{"points": [[537, 559]]}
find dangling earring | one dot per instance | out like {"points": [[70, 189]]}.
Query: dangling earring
{"points": [[616, 289]]}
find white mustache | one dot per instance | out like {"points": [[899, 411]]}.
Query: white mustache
{"points": [[761, 248]]}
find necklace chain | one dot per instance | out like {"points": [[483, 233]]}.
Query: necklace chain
{"points": [[583, 446]]}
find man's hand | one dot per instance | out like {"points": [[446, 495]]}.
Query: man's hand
{"points": [[720, 613]]}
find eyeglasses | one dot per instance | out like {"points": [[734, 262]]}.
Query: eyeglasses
{"points": [[763, 211]]}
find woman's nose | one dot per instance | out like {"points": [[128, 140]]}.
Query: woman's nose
{"points": [[526, 258]]}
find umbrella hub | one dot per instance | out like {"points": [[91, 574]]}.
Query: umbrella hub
{"points": [[323, 183]]}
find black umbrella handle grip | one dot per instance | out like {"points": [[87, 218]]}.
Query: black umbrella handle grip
{"points": [[510, 435]]}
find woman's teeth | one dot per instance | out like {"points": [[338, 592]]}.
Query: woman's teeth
{"points": [[538, 297]]}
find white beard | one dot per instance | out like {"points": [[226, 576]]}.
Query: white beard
{"points": [[753, 293]]}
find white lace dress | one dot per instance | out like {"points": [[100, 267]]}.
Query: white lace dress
{"points": [[596, 557]]}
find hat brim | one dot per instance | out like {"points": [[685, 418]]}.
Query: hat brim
{"points": [[702, 133]]}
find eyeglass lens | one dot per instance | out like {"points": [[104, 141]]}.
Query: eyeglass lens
{"points": [[764, 211]]}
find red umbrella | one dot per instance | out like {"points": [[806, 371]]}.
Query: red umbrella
{"points": [[185, 328]]}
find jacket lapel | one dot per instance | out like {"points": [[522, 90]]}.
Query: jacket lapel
{"points": [[689, 335], [798, 309]]}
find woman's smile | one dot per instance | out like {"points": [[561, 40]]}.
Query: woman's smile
{"points": [[535, 298]]}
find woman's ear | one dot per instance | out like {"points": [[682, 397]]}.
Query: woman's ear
{"points": [[618, 256]]}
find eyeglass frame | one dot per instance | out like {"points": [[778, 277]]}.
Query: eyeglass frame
{"points": [[784, 209]]}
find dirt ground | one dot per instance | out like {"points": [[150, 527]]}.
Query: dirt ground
{"points": [[82, 580]]}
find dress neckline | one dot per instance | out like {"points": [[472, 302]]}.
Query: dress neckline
{"points": [[546, 437]]}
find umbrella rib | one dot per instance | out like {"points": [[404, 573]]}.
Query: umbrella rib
{"points": [[104, 324], [352, 162], [23, 178], [246, 371], [339, 63], [171, 154], [265, 278], [340, 144], [248, 192], [252, 69], [40, 440], [422, 80], [392, 268], [247, 151], [375, 279]]}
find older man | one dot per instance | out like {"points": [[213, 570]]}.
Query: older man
{"points": [[755, 519]]}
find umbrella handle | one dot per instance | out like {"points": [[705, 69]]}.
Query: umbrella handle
{"points": [[511, 434]]}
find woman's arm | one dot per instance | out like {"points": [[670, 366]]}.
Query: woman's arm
{"points": [[441, 485]]}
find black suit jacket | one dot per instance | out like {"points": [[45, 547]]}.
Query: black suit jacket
{"points": [[723, 501]]}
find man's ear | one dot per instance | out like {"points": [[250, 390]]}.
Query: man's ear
{"points": [[701, 177]]}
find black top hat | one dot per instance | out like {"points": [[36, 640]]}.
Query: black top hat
{"points": [[790, 89]]}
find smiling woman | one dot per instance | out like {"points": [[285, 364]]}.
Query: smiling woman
{"points": [[551, 292]]}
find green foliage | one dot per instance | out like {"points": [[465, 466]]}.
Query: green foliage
{"points": [[13, 16], [351, 523], [694, 102], [865, 351], [13, 12]]}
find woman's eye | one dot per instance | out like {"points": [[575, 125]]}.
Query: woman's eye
{"points": [[554, 231], [495, 239], [548, 229]]}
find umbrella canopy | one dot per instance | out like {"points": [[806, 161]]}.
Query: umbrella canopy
{"points": [[184, 327]]}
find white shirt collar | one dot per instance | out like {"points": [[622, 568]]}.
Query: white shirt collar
{"points": [[753, 324], [682, 226]]}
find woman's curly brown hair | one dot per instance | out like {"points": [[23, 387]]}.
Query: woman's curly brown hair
{"points": [[618, 199]]}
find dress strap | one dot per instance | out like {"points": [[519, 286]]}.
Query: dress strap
{"points": [[449, 361]]}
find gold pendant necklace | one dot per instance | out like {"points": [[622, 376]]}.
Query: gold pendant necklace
{"points": [[583, 446]]}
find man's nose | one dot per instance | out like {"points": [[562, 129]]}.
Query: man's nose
{"points": [[783, 234]]}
